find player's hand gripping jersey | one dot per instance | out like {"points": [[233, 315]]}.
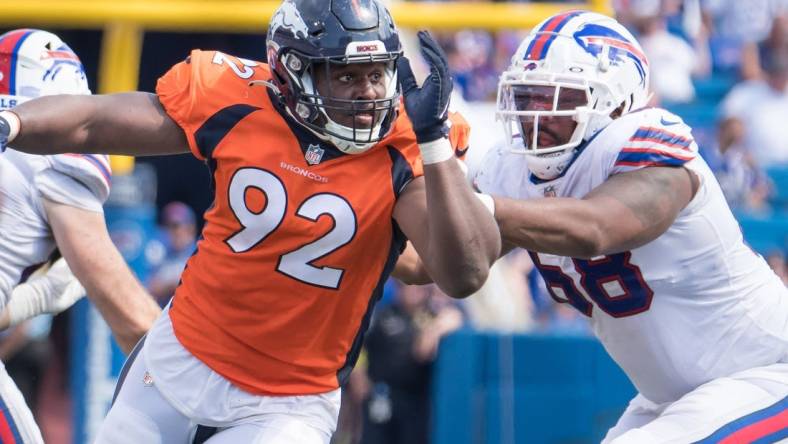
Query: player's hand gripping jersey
{"points": [[26, 240], [300, 238], [696, 281]]}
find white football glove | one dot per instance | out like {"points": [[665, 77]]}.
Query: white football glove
{"points": [[52, 293]]}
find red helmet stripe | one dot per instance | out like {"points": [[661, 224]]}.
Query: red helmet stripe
{"points": [[544, 36], [9, 47], [61, 55]]}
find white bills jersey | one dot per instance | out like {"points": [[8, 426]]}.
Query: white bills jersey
{"points": [[691, 306], [78, 180]]}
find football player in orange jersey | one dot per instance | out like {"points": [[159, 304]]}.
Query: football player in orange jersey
{"points": [[321, 173]]}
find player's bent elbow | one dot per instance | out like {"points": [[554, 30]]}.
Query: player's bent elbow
{"points": [[413, 278], [588, 244], [460, 287]]}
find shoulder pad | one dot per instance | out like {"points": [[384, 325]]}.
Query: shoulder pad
{"points": [[206, 83], [91, 170], [656, 138]]}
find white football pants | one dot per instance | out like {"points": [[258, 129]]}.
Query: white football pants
{"points": [[746, 407], [16, 420], [181, 401]]}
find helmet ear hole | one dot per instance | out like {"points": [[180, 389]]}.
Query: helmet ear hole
{"points": [[618, 112]]}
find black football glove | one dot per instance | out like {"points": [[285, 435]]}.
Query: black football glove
{"points": [[428, 106]]}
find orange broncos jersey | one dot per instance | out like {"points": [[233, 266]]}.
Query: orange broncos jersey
{"points": [[300, 238]]}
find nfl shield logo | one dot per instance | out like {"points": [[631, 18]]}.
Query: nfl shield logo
{"points": [[549, 191], [314, 154]]}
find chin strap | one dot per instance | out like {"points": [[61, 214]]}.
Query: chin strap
{"points": [[547, 167], [267, 84]]}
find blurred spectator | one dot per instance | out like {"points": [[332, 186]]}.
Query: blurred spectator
{"points": [[350, 423], [26, 351], [554, 317], [776, 260], [684, 17], [672, 60], [180, 231], [734, 23], [504, 303], [762, 107], [401, 345], [743, 182], [753, 52], [470, 57]]}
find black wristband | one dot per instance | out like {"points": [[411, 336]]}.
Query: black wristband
{"points": [[432, 134]]}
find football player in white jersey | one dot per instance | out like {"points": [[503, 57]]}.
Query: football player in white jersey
{"points": [[56, 201], [626, 222]]}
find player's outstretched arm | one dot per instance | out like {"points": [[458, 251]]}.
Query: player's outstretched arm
{"points": [[84, 242], [625, 212], [129, 123], [452, 230]]}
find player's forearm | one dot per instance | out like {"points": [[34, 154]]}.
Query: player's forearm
{"points": [[561, 226], [84, 242], [463, 239], [127, 308], [49, 125], [627, 211], [128, 123], [120, 298]]}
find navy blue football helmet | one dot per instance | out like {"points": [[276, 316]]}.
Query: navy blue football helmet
{"points": [[309, 35]]}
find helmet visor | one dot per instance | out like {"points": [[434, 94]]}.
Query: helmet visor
{"points": [[545, 114]]}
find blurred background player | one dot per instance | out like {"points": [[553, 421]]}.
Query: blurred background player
{"points": [[175, 246], [309, 154], [626, 222], [56, 201], [401, 346]]}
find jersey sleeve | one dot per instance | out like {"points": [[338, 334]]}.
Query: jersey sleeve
{"points": [[659, 139], [78, 180], [200, 87], [484, 175], [174, 90], [459, 134]]}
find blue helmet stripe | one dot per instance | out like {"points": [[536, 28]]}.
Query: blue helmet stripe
{"points": [[557, 29]]}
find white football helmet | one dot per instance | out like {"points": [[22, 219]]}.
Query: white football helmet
{"points": [[36, 63], [577, 68]]}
